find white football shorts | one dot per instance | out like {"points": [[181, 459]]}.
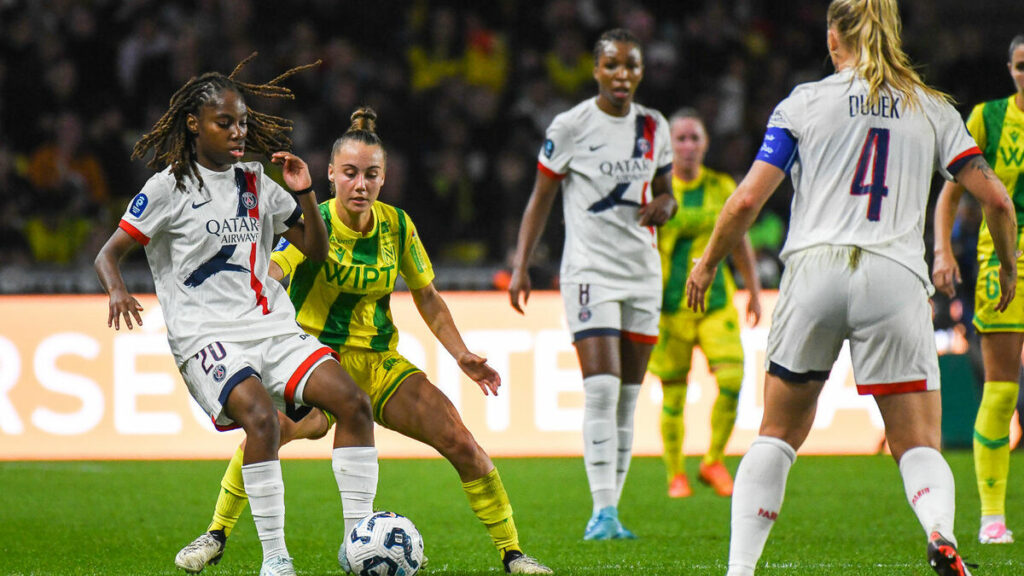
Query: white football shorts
{"points": [[282, 363], [593, 310], [834, 293]]}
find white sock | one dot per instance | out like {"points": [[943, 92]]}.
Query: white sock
{"points": [[929, 485], [355, 469], [756, 500], [624, 420], [600, 438], [265, 487]]}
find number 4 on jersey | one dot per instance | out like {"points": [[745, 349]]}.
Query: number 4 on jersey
{"points": [[874, 155]]}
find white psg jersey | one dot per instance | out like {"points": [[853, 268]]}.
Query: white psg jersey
{"points": [[607, 164], [862, 174], [209, 252]]}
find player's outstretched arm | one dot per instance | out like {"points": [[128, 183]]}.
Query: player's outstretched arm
{"points": [[439, 319], [981, 181], [945, 271], [309, 234], [534, 218], [739, 213], [107, 264]]}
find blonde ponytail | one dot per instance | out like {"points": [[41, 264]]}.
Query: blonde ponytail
{"points": [[871, 29]]}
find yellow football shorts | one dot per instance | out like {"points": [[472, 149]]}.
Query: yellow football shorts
{"points": [[986, 296], [717, 333], [379, 374]]}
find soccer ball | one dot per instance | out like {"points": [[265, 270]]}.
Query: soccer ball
{"points": [[384, 544]]}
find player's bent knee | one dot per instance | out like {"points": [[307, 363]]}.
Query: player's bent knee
{"points": [[261, 425]]}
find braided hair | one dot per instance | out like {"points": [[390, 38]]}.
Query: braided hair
{"points": [[173, 143]]}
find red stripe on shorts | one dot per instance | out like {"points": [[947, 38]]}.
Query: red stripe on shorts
{"points": [[293, 382], [641, 338], [892, 388]]}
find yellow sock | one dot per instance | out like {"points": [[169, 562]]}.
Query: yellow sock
{"points": [[232, 498], [992, 445], [723, 412], [672, 427], [490, 503]]}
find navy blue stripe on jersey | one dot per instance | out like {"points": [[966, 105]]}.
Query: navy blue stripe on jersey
{"points": [[779, 148], [577, 336], [615, 197], [797, 377], [219, 262], [296, 214], [663, 169], [235, 380]]}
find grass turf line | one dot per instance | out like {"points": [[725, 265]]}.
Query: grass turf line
{"points": [[843, 515]]}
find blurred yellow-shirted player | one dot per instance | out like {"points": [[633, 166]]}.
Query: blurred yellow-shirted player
{"points": [[701, 193], [997, 126]]}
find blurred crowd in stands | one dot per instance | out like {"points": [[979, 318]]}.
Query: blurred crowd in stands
{"points": [[464, 91]]}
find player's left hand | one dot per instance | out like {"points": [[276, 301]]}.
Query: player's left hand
{"points": [[477, 368], [658, 211], [293, 169], [697, 284]]}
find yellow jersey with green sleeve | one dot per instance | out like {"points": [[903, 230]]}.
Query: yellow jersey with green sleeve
{"points": [[998, 128], [345, 301], [685, 236]]}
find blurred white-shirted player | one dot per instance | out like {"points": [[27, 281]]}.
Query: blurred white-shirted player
{"points": [[613, 160], [860, 146], [208, 222]]}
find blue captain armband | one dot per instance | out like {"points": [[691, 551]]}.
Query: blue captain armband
{"points": [[778, 148]]}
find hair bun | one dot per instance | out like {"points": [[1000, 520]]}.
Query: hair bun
{"points": [[364, 119]]}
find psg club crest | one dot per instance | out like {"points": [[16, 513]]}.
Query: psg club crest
{"points": [[248, 200], [584, 314], [219, 372], [643, 146]]}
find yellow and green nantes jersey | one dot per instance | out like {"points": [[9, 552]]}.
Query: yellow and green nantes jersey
{"points": [[685, 236], [998, 128], [345, 301]]}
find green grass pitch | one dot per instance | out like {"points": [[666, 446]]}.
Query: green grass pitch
{"points": [[843, 515]]}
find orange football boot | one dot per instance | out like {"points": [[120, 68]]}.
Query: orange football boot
{"points": [[716, 476], [679, 487]]}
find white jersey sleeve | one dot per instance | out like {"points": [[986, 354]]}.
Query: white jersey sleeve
{"points": [[955, 145], [559, 147], [662, 145], [151, 209]]}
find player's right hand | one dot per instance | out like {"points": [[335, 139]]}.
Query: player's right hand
{"points": [[945, 273], [697, 284], [1007, 286], [123, 304], [519, 286]]}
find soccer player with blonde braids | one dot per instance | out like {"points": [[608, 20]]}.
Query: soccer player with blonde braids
{"points": [[208, 221], [345, 303], [996, 125], [860, 146]]}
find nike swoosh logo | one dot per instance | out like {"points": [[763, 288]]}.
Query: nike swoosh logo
{"points": [[194, 205], [596, 442], [592, 148]]}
